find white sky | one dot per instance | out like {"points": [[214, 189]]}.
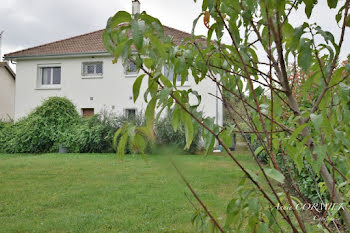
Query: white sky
{"points": [[28, 23]]}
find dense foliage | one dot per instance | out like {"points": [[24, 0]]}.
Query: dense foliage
{"points": [[42, 130], [91, 135], [307, 125], [56, 122], [167, 136]]}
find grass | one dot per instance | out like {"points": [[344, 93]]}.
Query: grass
{"points": [[97, 193]]}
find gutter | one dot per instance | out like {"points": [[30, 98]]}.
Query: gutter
{"points": [[28, 57]]}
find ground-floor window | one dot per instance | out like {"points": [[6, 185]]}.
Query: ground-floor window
{"points": [[87, 112], [130, 113]]}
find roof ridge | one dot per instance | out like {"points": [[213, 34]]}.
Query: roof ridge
{"points": [[177, 30], [83, 43], [56, 41]]}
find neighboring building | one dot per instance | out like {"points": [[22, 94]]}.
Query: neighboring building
{"points": [[81, 69], [7, 92]]}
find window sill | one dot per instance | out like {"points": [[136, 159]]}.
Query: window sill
{"points": [[48, 88], [91, 77], [132, 75]]}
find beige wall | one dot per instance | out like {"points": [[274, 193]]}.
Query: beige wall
{"points": [[7, 95]]}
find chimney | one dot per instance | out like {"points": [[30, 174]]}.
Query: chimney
{"points": [[1, 33], [135, 7]]}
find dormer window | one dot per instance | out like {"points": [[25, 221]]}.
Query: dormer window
{"points": [[92, 69]]}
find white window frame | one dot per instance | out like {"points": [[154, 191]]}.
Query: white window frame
{"points": [[127, 73], [39, 80], [178, 82], [94, 75]]}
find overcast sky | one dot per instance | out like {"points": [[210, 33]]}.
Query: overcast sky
{"points": [[28, 23]]}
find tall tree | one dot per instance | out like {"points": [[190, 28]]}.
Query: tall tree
{"points": [[253, 69]]}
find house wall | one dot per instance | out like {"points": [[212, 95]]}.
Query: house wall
{"points": [[112, 92], [7, 95]]}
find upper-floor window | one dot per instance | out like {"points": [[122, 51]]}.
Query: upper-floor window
{"points": [[169, 73], [92, 69], [130, 68], [49, 76]]}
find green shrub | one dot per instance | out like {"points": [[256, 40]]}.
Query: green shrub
{"points": [[166, 136], [42, 130], [4, 124], [91, 135], [95, 134], [57, 122]]}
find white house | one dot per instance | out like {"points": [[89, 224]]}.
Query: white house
{"points": [[7, 92], [80, 69]]}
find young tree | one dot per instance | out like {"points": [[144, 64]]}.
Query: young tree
{"points": [[313, 132]]}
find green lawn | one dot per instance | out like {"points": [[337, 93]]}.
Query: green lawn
{"points": [[97, 193]]}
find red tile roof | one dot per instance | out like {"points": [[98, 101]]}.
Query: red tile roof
{"points": [[82, 44]]}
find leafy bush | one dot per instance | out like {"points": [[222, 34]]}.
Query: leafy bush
{"points": [[91, 135], [166, 136], [42, 130], [4, 124], [57, 122], [305, 179], [95, 134]]}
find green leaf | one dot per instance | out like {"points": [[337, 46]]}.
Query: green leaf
{"points": [[120, 17], [209, 143], [136, 87], [149, 113], [320, 151], [211, 4], [298, 32], [176, 118], [347, 22], [166, 81], [115, 137], [204, 5], [258, 150], [305, 54], [309, 5], [316, 120], [121, 48], [187, 120], [288, 31], [263, 227], [297, 132], [332, 3], [195, 23], [274, 174], [148, 62], [253, 175], [226, 137], [122, 145], [164, 94], [140, 143], [337, 76], [137, 28]]}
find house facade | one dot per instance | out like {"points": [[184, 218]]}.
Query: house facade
{"points": [[7, 92], [80, 69]]}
